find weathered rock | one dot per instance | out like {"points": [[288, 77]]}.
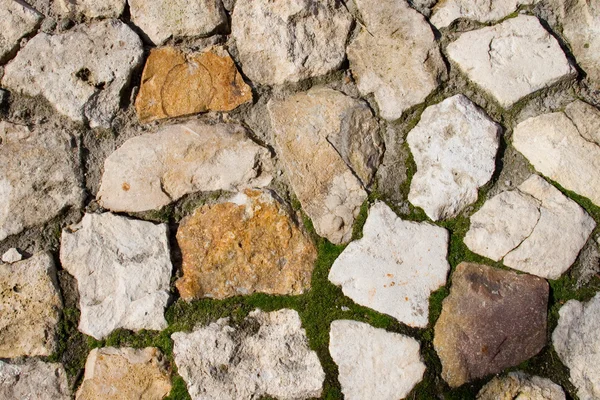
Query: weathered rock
{"points": [[517, 385], [12, 255], [176, 84], [17, 19], [454, 146], [33, 379], [565, 147], [152, 170], [81, 72], [245, 245], [373, 363], [29, 307], [577, 343], [394, 267], [447, 11], [511, 60], [267, 355], [36, 168], [123, 269], [395, 56], [492, 319], [125, 373], [287, 41], [91, 8]]}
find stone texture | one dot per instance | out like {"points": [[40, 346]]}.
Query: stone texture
{"points": [[447, 11], [565, 147], [245, 245], [267, 355], [123, 269], [82, 72], [175, 83], [152, 170], [290, 40], [33, 379], [576, 342], [518, 385], [454, 146], [395, 56], [492, 319], [11, 255], [125, 373], [373, 363], [17, 19], [511, 60], [30, 307], [394, 267], [36, 167], [91, 8]]}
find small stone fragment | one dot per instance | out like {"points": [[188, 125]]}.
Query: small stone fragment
{"points": [[454, 146], [125, 373], [447, 11], [518, 385], [12, 255], [123, 269], [245, 245], [373, 363], [92, 8], [492, 319], [17, 19], [33, 379], [395, 266], [176, 84], [267, 355], [511, 60]]}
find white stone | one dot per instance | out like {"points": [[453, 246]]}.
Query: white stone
{"points": [[395, 266], [511, 60], [123, 270], [577, 343], [289, 40], [519, 386], [33, 379], [447, 11], [565, 147], [91, 8], [12, 255], [373, 363], [454, 146], [152, 170], [395, 56], [17, 19], [81, 72], [268, 355]]}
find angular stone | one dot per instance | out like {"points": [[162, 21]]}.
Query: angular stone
{"points": [[152, 170], [125, 373], [287, 41], [447, 11], [454, 146], [267, 355], [175, 83], [511, 60], [123, 269], [245, 245], [33, 379], [40, 168], [12, 255], [492, 319], [373, 363], [92, 8], [565, 147], [17, 19], [395, 266], [81, 72], [518, 385]]}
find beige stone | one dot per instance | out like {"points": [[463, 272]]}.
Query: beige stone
{"points": [[17, 19], [519, 386]]}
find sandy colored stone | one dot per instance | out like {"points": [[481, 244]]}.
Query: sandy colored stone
{"points": [[175, 83], [17, 19], [447, 11], [33, 380], [91, 8], [245, 245], [520, 386], [11, 255]]}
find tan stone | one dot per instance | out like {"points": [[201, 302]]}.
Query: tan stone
{"points": [[175, 83], [245, 245]]}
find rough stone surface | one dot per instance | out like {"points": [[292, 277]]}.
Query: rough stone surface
{"points": [[565, 147], [512, 59], [176, 84], [454, 146], [12, 255], [152, 170], [123, 269], [373, 363], [394, 267], [125, 373], [518, 385], [33, 379], [81, 72], [492, 319], [245, 245], [447, 11], [30, 306], [17, 19], [267, 355], [395, 56], [92, 8], [290, 40]]}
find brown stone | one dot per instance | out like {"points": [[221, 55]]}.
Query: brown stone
{"points": [[492, 319], [245, 245], [175, 83]]}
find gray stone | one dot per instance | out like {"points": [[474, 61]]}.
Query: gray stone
{"points": [[518, 385], [447, 11], [33, 379], [11, 255], [91, 8], [17, 19]]}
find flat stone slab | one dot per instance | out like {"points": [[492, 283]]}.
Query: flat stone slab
{"points": [[123, 269], [518, 385], [447, 11], [17, 19], [512, 59], [395, 266], [373, 363], [91, 8], [33, 379]]}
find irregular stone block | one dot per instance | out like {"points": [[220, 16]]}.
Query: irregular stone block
{"points": [[447, 11], [17, 19], [518, 385], [12, 255], [33, 379], [91, 8]]}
